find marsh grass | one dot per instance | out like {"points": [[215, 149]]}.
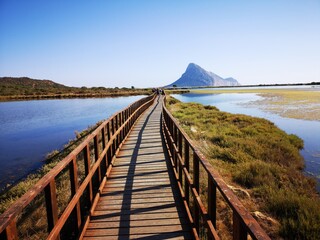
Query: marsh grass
{"points": [[255, 157]]}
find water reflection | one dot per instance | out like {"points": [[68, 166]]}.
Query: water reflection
{"points": [[31, 129]]}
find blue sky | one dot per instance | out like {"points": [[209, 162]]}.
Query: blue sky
{"points": [[150, 43]]}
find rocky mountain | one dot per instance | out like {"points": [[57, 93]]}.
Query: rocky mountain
{"points": [[195, 76]]}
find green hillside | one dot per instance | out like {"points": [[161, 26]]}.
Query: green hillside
{"points": [[25, 88]]}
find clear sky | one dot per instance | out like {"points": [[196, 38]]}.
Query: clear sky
{"points": [[150, 43]]}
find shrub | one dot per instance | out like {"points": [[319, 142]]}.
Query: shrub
{"points": [[299, 215]]}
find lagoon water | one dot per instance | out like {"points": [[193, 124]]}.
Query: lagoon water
{"points": [[32, 129], [307, 130]]}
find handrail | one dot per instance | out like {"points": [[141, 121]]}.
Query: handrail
{"points": [[106, 141], [179, 148]]}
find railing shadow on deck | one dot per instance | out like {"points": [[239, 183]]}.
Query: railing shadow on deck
{"points": [[84, 171], [186, 161]]}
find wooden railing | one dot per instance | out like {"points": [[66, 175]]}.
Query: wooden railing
{"points": [[63, 199], [198, 182]]}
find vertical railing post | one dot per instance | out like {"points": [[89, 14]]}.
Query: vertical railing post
{"points": [[239, 230], [127, 125], [174, 153], [97, 154], [196, 186], [118, 135], [186, 163], [130, 118], [87, 170], [180, 154], [180, 142], [105, 161], [51, 204], [121, 123], [73, 169], [212, 201], [114, 140], [11, 232], [109, 152]]}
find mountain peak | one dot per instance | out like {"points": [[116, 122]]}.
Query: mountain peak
{"points": [[197, 76], [193, 65]]}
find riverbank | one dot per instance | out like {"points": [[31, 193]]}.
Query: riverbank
{"points": [[297, 103], [76, 95], [28, 89], [261, 163]]}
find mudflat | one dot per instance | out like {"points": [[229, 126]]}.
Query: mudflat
{"points": [[298, 103]]}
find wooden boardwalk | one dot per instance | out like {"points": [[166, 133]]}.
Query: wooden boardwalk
{"points": [[141, 198]]}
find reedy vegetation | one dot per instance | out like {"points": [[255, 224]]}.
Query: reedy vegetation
{"points": [[262, 159]]}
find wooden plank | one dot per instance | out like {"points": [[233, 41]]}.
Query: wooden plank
{"points": [[134, 230], [137, 217], [139, 199], [138, 223], [137, 196], [153, 236]]}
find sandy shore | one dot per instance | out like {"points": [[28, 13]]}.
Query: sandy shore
{"points": [[298, 103]]}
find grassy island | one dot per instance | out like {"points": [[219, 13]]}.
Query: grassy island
{"points": [[261, 162]]}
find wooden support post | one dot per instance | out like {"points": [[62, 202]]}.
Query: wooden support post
{"points": [[196, 186], [176, 144], [127, 117], [121, 132], [180, 143], [11, 232], [186, 163], [180, 154], [73, 169], [117, 127], [51, 204], [104, 162], [212, 201], [109, 152], [96, 155], [87, 166], [239, 230], [114, 141]]}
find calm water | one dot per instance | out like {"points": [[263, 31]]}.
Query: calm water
{"points": [[309, 131], [31, 129]]}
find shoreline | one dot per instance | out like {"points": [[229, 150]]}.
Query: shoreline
{"points": [[291, 103], [70, 96], [83, 95]]}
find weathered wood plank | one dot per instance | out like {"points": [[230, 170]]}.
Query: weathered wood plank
{"points": [[140, 198], [137, 217], [137, 223], [152, 236], [134, 230]]}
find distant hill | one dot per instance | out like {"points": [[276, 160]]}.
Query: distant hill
{"points": [[195, 76], [27, 86], [29, 83], [24, 87]]}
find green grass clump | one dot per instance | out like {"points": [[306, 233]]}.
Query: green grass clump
{"points": [[261, 158], [299, 214]]}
